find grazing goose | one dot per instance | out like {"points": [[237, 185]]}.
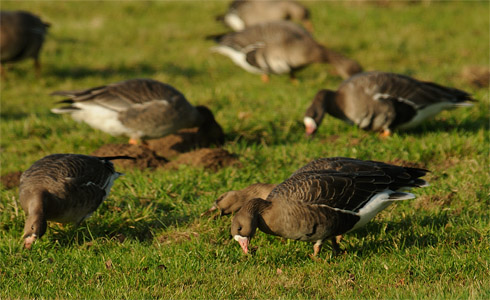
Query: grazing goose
{"points": [[21, 36], [232, 201], [382, 102], [318, 205], [65, 188], [279, 47], [246, 13], [137, 108]]}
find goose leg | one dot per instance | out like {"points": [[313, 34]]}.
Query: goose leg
{"points": [[293, 78], [317, 247], [335, 245], [37, 67], [385, 133], [133, 141], [265, 78]]}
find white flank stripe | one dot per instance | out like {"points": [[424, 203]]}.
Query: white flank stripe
{"points": [[234, 21], [237, 57]]}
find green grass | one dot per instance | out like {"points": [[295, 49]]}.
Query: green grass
{"points": [[149, 229]]}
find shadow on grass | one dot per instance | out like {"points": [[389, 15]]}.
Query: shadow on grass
{"points": [[429, 236], [140, 228], [127, 71], [466, 125]]}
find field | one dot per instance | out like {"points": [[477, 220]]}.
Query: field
{"points": [[147, 240]]}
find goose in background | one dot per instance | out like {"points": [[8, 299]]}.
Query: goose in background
{"points": [[65, 188], [314, 206], [137, 108], [246, 13], [279, 47], [381, 101], [21, 36], [231, 201]]}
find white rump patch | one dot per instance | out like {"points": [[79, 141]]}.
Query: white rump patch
{"points": [[100, 118], [426, 113], [376, 204]]}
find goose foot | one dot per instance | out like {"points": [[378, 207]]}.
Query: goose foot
{"points": [[265, 78]]}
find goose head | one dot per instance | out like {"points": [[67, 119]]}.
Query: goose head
{"points": [[34, 229], [208, 125], [315, 113], [245, 223]]}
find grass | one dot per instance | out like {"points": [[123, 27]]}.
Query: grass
{"points": [[147, 239]]}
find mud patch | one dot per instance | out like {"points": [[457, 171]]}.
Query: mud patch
{"points": [[213, 159], [11, 180], [432, 202], [184, 140], [476, 75], [144, 157]]}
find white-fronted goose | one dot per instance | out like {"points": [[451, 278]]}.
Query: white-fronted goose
{"points": [[232, 201], [279, 48], [21, 36], [382, 102], [137, 108], [246, 13], [318, 205], [65, 188]]}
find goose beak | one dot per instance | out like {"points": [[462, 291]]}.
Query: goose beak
{"points": [[310, 126], [29, 241], [243, 241]]}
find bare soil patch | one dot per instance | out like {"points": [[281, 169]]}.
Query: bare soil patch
{"points": [[144, 157], [11, 180], [208, 158]]}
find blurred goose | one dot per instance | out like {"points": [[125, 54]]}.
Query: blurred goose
{"points": [[65, 188], [318, 205], [21, 36], [137, 108], [246, 13], [380, 101], [232, 201], [279, 48]]}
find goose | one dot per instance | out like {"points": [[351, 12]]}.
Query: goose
{"points": [[137, 108], [279, 47], [21, 36], [65, 188], [246, 13], [381, 101], [231, 201], [314, 206]]}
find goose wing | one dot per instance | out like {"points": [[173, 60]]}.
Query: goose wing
{"points": [[122, 95]]}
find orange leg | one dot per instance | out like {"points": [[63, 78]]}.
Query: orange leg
{"points": [[386, 133], [265, 78], [133, 141]]}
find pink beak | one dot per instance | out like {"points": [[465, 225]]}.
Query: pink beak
{"points": [[310, 130], [29, 241], [243, 241]]}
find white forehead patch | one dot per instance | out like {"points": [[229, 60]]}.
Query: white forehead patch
{"points": [[309, 122]]}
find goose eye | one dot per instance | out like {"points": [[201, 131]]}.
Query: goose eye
{"points": [[32, 227], [240, 228]]}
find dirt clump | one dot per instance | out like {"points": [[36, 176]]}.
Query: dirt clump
{"points": [[209, 158], [144, 157], [184, 140], [11, 180], [476, 75]]}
